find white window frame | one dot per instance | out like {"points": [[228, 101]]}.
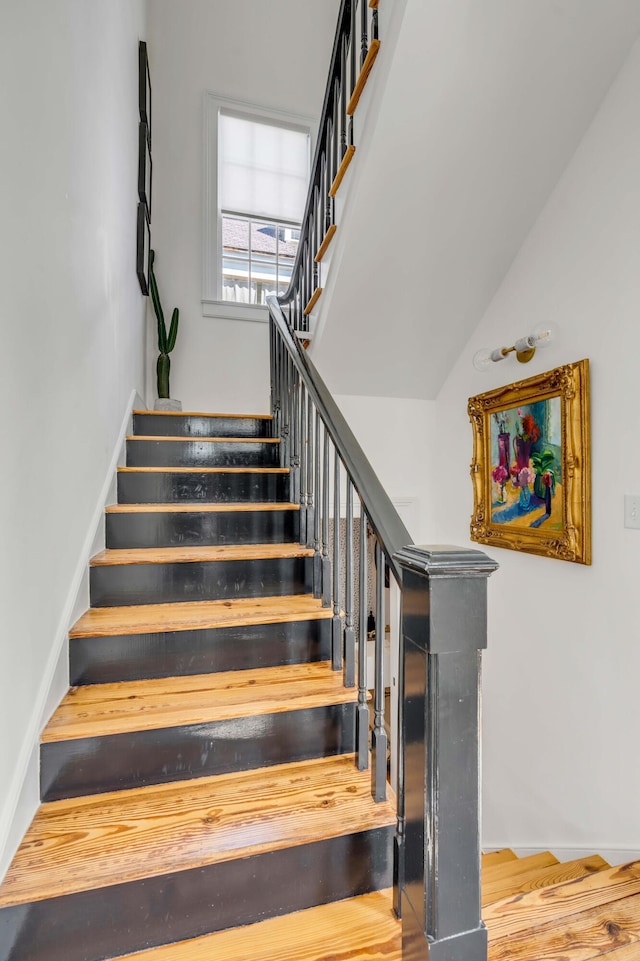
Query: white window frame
{"points": [[212, 303]]}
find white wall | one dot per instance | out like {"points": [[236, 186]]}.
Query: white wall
{"points": [[275, 54], [391, 432], [72, 320], [562, 673]]}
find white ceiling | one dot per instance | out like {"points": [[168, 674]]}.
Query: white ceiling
{"points": [[485, 104]]}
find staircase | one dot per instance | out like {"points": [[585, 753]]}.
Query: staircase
{"points": [[200, 773]]}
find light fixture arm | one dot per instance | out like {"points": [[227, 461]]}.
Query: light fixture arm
{"points": [[524, 348]]}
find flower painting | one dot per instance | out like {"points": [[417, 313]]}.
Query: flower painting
{"points": [[531, 465], [526, 446]]}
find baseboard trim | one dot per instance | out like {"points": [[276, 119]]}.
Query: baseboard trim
{"points": [[22, 797]]}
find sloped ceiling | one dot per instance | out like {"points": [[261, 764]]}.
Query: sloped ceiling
{"points": [[485, 104]]}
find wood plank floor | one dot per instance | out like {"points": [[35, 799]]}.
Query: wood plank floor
{"points": [[101, 709], [198, 615], [509, 916], [91, 842], [190, 555], [494, 890]]}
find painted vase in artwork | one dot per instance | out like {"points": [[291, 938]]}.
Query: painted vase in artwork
{"points": [[522, 449], [504, 450]]}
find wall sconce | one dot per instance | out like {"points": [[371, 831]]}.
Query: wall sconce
{"points": [[524, 348]]}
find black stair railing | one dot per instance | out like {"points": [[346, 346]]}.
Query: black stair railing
{"points": [[354, 51], [363, 553]]}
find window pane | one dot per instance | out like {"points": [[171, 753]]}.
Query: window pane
{"points": [[235, 260]]}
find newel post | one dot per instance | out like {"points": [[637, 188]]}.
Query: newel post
{"points": [[444, 630]]}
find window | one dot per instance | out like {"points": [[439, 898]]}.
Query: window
{"points": [[256, 180]]}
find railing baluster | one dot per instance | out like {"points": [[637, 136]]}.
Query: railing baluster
{"points": [[374, 25], [326, 563], [379, 736], [311, 456], [343, 100], [336, 629], [364, 42], [285, 460], [295, 438], [349, 633], [303, 463], [317, 557], [362, 717], [353, 69]]}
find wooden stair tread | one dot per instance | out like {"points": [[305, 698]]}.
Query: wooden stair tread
{"points": [[197, 615], [191, 555], [200, 507], [498, 857], [508, 869], [95, 710], [190, 439], [198, 413], [357, 929], [512, 915], [203, 470], [579, 937], [541, 878], [92, 842]]}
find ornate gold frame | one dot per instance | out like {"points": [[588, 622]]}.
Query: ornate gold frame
{"points": [[573, 543]]}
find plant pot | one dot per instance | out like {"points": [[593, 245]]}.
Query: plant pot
{"points": [[167, 403]]}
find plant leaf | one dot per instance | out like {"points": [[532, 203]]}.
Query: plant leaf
{"points": [[173, 330]]}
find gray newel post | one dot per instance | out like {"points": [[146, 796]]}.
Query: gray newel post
{"points": [[444, 630]]}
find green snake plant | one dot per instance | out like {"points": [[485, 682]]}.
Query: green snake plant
{"points": [[166, 341]]}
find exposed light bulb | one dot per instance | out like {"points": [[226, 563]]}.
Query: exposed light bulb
{"points": [[483, 358], [543, 335]]}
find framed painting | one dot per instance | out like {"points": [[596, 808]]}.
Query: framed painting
{"points": [[531, 465], [144, 87], [145, 169], [143, 249]]}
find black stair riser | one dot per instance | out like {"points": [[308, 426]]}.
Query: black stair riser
{"points": [[123, 918], [193, 529], [119, 585], [201, 453], [166, 487], [189, 426], [132, 657], [118, 762]]}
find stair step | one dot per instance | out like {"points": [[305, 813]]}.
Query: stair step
{"points": [[159, 423], [498, 857], [198, 615], [218, 484], [541, 878], [150, 451], [176, 574], [356, 929], [174, 525], [93, 710], [190, 555], [110, 737], [197, 637], [513, 869], [510, 916], [582, 936], [207, 854]]}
